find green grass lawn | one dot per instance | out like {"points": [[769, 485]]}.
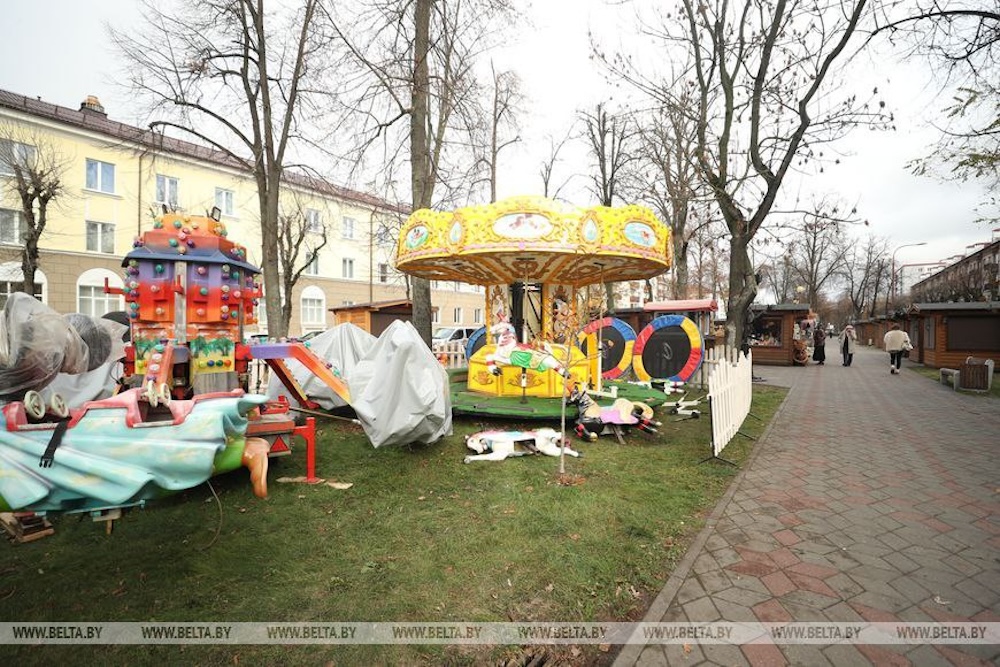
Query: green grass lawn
{"points": [[420, 536]]}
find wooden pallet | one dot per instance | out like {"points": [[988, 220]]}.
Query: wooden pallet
{"points": [[25, 526]]}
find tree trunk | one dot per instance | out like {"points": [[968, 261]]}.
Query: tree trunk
{"points": [[742, 290], [680, 267], [421, 170], [267, 190]]}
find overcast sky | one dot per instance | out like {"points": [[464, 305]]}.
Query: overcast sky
{"points": [[57, 49]]}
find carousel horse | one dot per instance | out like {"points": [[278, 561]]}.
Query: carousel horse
{"points": [[509, 352], [498, 445], [595, 420]]}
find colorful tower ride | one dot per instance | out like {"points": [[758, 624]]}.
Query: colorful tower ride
{"points": [[189, 292]]}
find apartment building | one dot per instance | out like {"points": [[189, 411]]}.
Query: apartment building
{"points": [[116, 177]]}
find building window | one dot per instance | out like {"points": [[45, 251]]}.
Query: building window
{"points": [[383, 273], [312, 266], [14, 153], [347, 268], [101, 237], [94, 302], [166, 190], [90, 297], [12, 280], [314, 223], [100, 176], [477, 316], [346, 303], [347, 230], [224, 200], [10, 227], [8, 287], [435, 316], [313, 307], [457, 316]]}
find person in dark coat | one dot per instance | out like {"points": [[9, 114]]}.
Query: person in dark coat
{"points": [[819, 345]]}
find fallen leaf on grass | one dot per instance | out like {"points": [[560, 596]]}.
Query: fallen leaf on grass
{"points": [[549, 588], [570, 480], [297, 480], [340, 486]]}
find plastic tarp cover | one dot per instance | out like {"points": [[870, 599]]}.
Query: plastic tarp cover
{"points": [[36, 344], [400, 390], [343, 346], [106, 349]]}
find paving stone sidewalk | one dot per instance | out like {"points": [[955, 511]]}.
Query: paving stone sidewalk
{"points": [[872, 497]]}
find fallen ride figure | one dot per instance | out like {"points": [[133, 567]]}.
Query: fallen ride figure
{"points": [[498, 445]]}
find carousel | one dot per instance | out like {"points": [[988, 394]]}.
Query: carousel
{"points": [[542, 265]]}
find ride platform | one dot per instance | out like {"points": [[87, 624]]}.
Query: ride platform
{"points": [[465, 402]]}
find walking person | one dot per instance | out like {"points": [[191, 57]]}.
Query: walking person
{"points": [[848, 339], [819, 345], [896, 340]]}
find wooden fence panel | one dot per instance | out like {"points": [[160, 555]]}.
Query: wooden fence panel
{"points": [[730, 392]]}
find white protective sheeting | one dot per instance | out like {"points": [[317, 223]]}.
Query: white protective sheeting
{"points": [[399, 390], [343, 346], [74, 355]]}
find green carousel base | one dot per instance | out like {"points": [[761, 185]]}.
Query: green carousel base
{"points": [[465, 402]]}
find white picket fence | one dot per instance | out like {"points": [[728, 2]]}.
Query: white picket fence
{"points": [[451, 354], [730, 392]]}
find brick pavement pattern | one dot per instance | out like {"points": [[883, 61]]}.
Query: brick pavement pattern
{"points": [[871, 497]]}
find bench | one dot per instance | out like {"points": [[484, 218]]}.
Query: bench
{"points": [[974, 374], [950, 374]]}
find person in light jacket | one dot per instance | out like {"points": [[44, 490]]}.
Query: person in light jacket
{"points": [[848, 339], [896, 340]]}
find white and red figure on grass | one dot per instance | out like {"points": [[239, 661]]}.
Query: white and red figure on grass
{"points": [[498, 445]]}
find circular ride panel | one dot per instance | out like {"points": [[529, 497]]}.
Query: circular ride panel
{"points": [[617, 339], [670, 347], [476, 341]]}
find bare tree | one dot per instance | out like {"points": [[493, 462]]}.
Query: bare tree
{"points": [[781, 275], [548, 166], [865, 272], [610, 139], [300, 238], [37, 172], [242, 78], [962, 44], [818, 248], [760, 75], [415, 62], [673, 186], [503, 127]]}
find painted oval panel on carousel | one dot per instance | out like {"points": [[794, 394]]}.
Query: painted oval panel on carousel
{"points": [[617, 339], [522, 226], [476, 341], [416, 237], [669, 348]]}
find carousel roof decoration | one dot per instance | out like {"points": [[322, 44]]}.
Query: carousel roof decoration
{"points": [[537, 240]]}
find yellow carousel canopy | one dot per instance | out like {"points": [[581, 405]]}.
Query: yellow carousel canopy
{"points": [[534, 239]]}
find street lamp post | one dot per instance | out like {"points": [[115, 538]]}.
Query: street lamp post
{"points": [[892, 282]]}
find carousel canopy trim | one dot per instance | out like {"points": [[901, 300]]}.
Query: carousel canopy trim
{"points": [[534, 239]]}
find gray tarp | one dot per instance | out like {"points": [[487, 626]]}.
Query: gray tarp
{"points": [[399, 390]]}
